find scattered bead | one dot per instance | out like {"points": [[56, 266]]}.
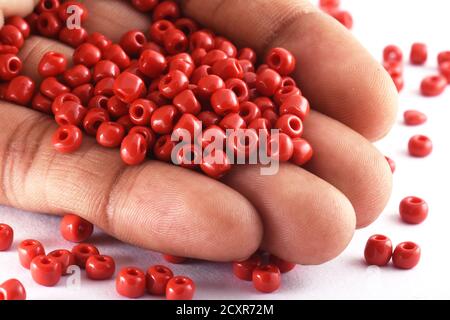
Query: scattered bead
{"points": [[75, 229], [100, 267], [157, 278], [11, 290], [266, 278], [406, 255], [414, 117], [130, 282], [82, 252], [28, 250], [6, 237], [413, 210], [45, 270], [180, 288], [378, 250], [420, 146]]}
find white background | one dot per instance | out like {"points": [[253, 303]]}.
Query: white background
{"points": [[377, 23]]}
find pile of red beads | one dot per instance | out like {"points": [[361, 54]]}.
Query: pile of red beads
{"points": [[332, 7]]}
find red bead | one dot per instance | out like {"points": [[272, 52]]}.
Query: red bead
{"points": [[133, 149], [67, 139], [61, 99], [243, 143], [214, 135], [28, 250], [264, 103], [70, 112], [187, 128], [10, 66], [228, 68], [227, 47], [183, 65], [208, 118], [413, 210], [98, 102], [180, 288], [52, 64], [266, 278], [5, 49], [147, 133], [214, 56], [433, 85], [188, 26], [391, 164], [82, 252], [283, 93], [175, 41], [152, 63], [51, 88], [12, 289], [116, 54], [133, 42], [330, 3], [249, 111], [303, 152], [281, 60], [378, 250], [73, 37], [47, 6], [268, 82], [99, 40], [105, 87], [110, 134], [399, 82], [20, 24], [31, 19], [10, 35], [280, 147], [272, 116], [414, 117], [344, 18], [157, 278], [64, 257], [158, 30], [166, 10], [75, 229], [420, 146], [291, 125], [216, 164], [443, 57], [209, 84], [261, 126], [87, 54], [141, 111], [70, 8], [224, 101], [77, 75], [406, 255], [173, 83], [100, 267], [6, 237], [392, 53], [85, 92], [151, 45], [163, 119], [144, 5], [444, 69], [247, 66], [45, 271], [239, 87], [163, 148], [117, 108], [49, 25], [130, 282], [288, 81], [244, 269], [186, 102], [233, 121], [201, 40], [419, 53], [247, 54], [20, 90], [283, 265], [129, 87]]}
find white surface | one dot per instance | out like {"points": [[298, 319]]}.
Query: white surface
{"points": [[377, 23]]}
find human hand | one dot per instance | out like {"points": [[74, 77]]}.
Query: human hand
{"points": [[304, 215]]}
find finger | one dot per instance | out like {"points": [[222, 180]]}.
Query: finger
{"points": [[21, 8], [334, 71], [305, 219]]}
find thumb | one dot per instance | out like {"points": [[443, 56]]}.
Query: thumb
{"points": [[15, 7]]}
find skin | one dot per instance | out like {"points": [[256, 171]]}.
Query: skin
{"points": [[304, 215]]}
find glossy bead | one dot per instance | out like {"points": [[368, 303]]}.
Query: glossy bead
{"points": [[330, 3], [98, 102], [187, 128], [180, 288], [100, 267], [163, 148], [261, 126], [283, 265], [110, 134], [264, 103], [214, 56], [51, 88], [70, 112], [158, 30], [414, 117], [444, 69], [288, 82], [87, 54], [157, 278], [249, 111], [99, 40], [420, 146], [141, 110], [209, 84], [214, 135], [228, 68], [130, 282], [6, 237], [20, 24], [77, 75], [10, 35], [73, 37], [419, 53], [69, 8], [62, 98], [281, 60], [406, 255], [20, 90], [67, 139], [268, 82], [443, 57], [144, 5], [10, 66], [147, 133], [247, 54], [413, 210], [243, 143], [392, 53], [391, 163], [182, 65], [31, 19], [280, 147], [166, 10], [233, 121], [116, 54], [45, 271], [75, 229], [173, 83], [266, 278], [283, 93], [399, 82], [105, 87], [11, 290], [49, 25], [129, 87], [52, 64], [433, 85], [85, 92], [216, 164], [247, 66], [303, 151], [163, 119], [344, 18], [186, 102], [152, 63], [8, 49], [82, 252], [224, 101], [291, 125], [227, 47], [47, 6], [244, 269], [133, 42], [28, 250], [175, 41], [133, 149], [378, 250], [201, 40], [239, 87], [188, 26], [64, 257], [117, 108]]}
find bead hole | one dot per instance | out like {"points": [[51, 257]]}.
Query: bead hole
{"points": [[14, 65], [238, 91], [103, 103], [29, 243], [380, 238], [409, 246], [179, 46], [49, 5], [140, 39], [163, 26], [63, 135], [132, 272], [85, 250], [244, 112], [45, 261], [294, 124], [160, 270], [180, 281], [57, 254], [138, 111], [415, 200], [43, 22], [100, 258], [275, 60]]}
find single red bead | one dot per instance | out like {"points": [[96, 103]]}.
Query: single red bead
{"points": [[419, 53], [264, 103], [64, 257], [413, 210], [67, 139], [281, 60], [283, 93], [228, 68], [87, 54], [244, 269], [261, 126], [20, 24], [433, 85], [104, 69], [52, 64], [399, 82], [272, 116], [288, 81], [133, 42], [216, 164], [117, 108], [157, 278], [208, 118], [180, 288], [414, 117], [133, 149], [227, 47], [10, 35], [47, 6], [82, 252], [151, 45], [186, 102], [75, 229], [247, 54], [71, 8], [291, 125], [85, 92], [187, 128], [198, 55], [152, 63], [99, 40], [444, 69], [70, 112], [247, 66], [166, 10], [105, 87], [141, 111], [77, 75], [175, 41], [129, 87], [98, 102], [283, 265], [214, 56], [12, 289], [378, 250], [173, 83], [163, 119], [344, 17], [45, 271], [188, 26], [110, 134], [268, 82], [266, 278], [147, 133], [303, 151], [392, 53], [28, 250], [130, 282], [10, 66], [420, 146], [187, 67], [209, 84], [116, 54], [406, 255], [163, 148], [6, 237], [99, 267], [144, 5], [213, 135], [391, 164], [31, 19], [249, 111], [62, 98], [239, 87], [158, 30], [443, 57], [49, 25], [224, 101], [73, 37], [6, 48], [201, 40], [20, 90], [280, 147], [51, 88], [233, 121]]}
